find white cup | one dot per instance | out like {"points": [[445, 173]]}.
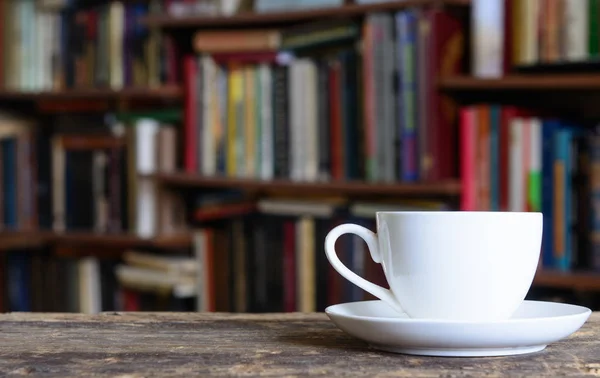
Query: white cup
{"points": [[454, 265]]}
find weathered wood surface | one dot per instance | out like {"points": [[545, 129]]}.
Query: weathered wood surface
{"points": [[192, 344]]}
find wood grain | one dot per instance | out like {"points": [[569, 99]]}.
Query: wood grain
{"points": [[198, 344]]}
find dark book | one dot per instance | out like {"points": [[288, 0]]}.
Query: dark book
{"points": [[281, 137]]}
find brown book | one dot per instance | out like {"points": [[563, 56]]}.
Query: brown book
{"points": [[223, 211], [90, 142], [222, 243], [237, 40], [167, 148]]}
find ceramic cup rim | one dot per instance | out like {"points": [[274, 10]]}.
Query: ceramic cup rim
{"points": [[461, 213]]}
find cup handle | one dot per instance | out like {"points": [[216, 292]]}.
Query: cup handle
{"points": [[371, 239]]}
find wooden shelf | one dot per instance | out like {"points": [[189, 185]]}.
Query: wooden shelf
{"points": [[182, 240], [158, 93], [568, 280], [251, 19], [36, 239], [531, 82], [23, 239], [348, 189]]}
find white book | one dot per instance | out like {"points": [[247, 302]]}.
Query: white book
{"points": [[149, 280], [47, 50], [266, 108], [535, 149], [296, 207], [575, 34], [209, 112], [531, 32], [146, 207], [516, 175], [147, 197], [146, 130], [90, 287], [310, 158], [38, 50], [487, 43]]}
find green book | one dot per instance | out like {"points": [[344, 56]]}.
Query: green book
{"points": [[593, 27]]}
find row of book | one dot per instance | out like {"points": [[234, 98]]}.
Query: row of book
{"points": [[46, 45], [509, 34], [66, 177], [36, 281], [325, 100], [516, 160], [272, 259]]}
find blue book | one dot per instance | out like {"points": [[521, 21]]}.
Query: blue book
{"points": [[494, 157], [549, 128], [406, 24], [9, 181], [562, 173]]}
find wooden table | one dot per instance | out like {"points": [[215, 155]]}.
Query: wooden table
{"points": [[193, 344]]}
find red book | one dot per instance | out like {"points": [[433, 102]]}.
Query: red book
{"points": [[250, 57], [130, 300], [506, 115], [289, 266], [468, 137], [445, 52], [335, 104], [508, 28]]}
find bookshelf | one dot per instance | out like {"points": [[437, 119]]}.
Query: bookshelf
{"points": [[224, 212]]}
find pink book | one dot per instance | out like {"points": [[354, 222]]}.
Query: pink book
{"points": [[468, 144]]}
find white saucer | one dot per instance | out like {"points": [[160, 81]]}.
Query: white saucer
{"points": [[533, 326]]}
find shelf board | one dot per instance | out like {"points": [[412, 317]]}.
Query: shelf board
{"points": [[181, 240], [530, 82], [434, 189], [568, 280], [36, 239], [133, 93], [23, 239], [276, 18]]}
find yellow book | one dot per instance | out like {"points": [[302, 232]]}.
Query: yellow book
{"points": [[249, 121], [235, 96]]}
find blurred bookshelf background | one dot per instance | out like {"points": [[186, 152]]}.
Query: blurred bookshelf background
{"points": [[191, 155]]}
